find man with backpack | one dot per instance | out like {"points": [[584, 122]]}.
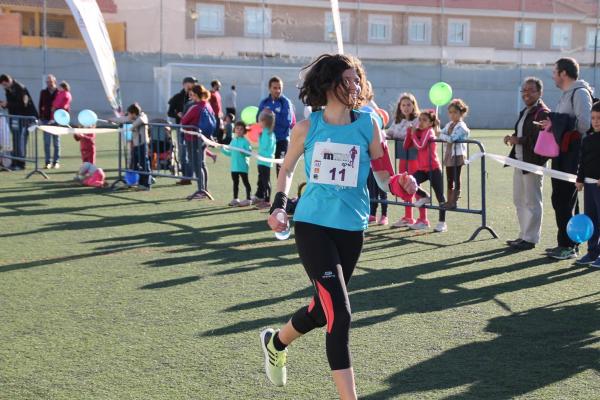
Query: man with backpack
{"points": [[575, 102], [177, 109]]}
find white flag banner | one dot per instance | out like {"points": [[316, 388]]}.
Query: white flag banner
{"points": [[337, 25], [91, 24]]}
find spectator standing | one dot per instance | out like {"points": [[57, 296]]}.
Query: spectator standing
{"points": [[528, 187], [62, 101], [575, 101], [19, 103], [284, 116], [231, 101], [217, 106], [45, 106], [177, 108]]}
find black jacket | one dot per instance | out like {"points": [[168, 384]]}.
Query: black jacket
{"points": [[589, 158], [177, 105], [19, 100], [530, 134]]}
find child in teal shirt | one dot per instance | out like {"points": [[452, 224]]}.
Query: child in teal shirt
{"points": [[266, 148], [239, 164]]}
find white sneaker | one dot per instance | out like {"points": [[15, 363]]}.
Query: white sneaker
{"points": [[441, 227], [234, 203], [419, 226], [48, 166], [401, 223], [245, 203], [274, 360], [422, 201]]}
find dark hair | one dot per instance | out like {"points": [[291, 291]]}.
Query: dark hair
{"points": [[460, 106], [215, 83], [410, 97], [135, 108], [190, 79], [5, 78], [240, 123], [232, 87], [231, 116], [201, 92], [596, 106], [435, 122], [536, 81], [65, 86], [268, 116], [324, 74], [569, 66], [275, 79]]}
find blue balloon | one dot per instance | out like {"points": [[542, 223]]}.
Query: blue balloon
{"points": [[87, 118], [62, 117], [580, 228], [367, 109], [132, 178], [127, 133]]}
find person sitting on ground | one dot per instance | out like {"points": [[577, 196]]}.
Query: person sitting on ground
{"points": [[91, 175]]}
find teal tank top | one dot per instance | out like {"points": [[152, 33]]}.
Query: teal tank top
{"points": [[337, 165]]}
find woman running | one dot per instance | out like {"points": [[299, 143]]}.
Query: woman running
{"points": [[338, 143]]}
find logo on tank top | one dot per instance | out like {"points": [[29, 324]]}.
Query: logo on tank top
{"points": [[328, 275]]}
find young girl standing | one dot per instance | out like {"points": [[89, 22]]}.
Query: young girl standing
{"points": [[589, 167], [337, 143], [239, 164], [428, 168], [455, 153], [407, 116], [266, 148]]}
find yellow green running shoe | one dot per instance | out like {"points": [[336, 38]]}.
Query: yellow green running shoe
{"points": [[274, 360]]}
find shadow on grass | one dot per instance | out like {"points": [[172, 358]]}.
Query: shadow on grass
{"points": [[171, 282], [534, 349]]}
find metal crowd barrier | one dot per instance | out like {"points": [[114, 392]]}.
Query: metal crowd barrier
{"points": [[166, 152], [16, 150], [468, 210]]}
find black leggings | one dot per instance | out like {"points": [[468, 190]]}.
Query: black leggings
{"points": [[376, 193], [263, 187], [235, 176], [453, 177], [329, 256], [437, 183]]}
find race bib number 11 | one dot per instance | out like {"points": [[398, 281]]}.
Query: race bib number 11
{"points": [[335, 164]]}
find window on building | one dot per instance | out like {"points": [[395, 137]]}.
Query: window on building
{"points": [[458, 32], [561, 36], [55, 28], [525, 34], [380, 28], [210, 19], [330, 30], [419, 30], [591, 38], [257, 21]]}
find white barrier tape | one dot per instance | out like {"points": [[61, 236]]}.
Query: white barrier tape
{"points": [[63, 130], [230, 148], [535, 169]]}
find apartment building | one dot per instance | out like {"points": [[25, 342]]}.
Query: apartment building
{"points": [[21, 24]]}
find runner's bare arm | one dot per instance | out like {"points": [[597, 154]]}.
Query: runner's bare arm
{"points": [[295, 151]]}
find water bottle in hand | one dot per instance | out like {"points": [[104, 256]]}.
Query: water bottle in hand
{"points": [[281, 216]]}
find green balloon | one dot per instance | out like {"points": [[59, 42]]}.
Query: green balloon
{"points": [[440, 94], [249, 115]]}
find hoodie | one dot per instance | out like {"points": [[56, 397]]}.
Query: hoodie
{"points": [[580, 107]]}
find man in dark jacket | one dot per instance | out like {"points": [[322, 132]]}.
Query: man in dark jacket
{"points": [[527, 187], [47, 96], [177, 108], [576, 102], [19, 103]]}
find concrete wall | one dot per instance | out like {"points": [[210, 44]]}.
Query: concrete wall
{"points": [[491, 91]]}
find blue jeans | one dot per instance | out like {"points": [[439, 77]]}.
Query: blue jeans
{"points": [[50, 140], [195, 153], [182, 155], [20, 136], [591, 207]]}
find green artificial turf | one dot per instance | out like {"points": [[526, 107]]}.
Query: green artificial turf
{"points": [[144, 295]]}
